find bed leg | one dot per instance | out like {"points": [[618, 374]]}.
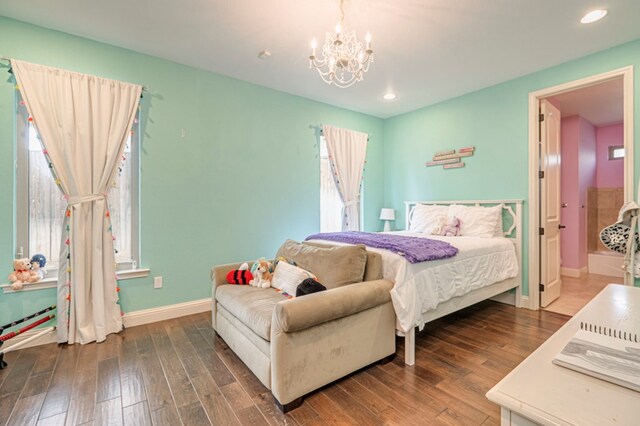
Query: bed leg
{"points": [[410, 347]]}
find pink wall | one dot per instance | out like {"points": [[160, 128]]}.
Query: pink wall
{"points": [[578, 172], [609, 173], [587, 178]]}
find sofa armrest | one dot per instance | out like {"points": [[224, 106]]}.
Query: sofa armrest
{"points": [[303, 312], [219, 273]]}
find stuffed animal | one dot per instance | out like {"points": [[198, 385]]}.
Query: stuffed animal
{"points": [[22, 274], [239, 276], [38, 262], [452, 228], [261, 270], [439, 229]]}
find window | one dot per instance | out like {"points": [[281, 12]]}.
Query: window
{"points": [[41, 207], [616, 152], [330, 202]]}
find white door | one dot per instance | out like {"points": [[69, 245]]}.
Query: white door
{"points": [[550, 277]]}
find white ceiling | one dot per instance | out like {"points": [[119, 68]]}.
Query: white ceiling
{"points": [[425, 50], [600, 104]]}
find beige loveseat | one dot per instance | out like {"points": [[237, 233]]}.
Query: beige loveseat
{"points": [[295, 346]]}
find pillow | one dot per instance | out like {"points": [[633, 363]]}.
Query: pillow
{"points": [[427, 218], [476, 221], [334, 266], [287, 277]]}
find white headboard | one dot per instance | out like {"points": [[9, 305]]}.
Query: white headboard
{"points": [[511, 215]]}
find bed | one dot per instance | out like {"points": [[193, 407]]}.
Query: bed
{"points": [[483, 268]]}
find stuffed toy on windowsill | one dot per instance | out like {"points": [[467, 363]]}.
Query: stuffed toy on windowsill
{"points": [[38, 262], [22, 274]]}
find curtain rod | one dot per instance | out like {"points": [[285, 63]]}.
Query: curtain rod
{"points": [[4, 58]]}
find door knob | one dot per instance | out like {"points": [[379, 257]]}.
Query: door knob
{"points": [[561, 226], [564, 205]]}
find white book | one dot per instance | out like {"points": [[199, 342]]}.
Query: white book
{"points": [[604, 353]]}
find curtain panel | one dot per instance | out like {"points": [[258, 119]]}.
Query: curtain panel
{"points": [[347, 151], [83, 122]]}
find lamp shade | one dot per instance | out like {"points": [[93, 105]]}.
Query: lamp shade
{"points": [[387, 214]]}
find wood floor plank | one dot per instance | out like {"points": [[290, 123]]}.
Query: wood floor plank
{"points": [[193, 415], [156, 386], [59, 392], [237, 397], [26, 411], [361, 414], [267, 406], [20, 371], [214, 403], [137, 414], [81, 410], [48, 358], [177, 378], [57, 420], [7, 403], [109, 413], [131, 381], [165, 416], [251, 416], [219, 369], [304, 414], [108, 385], [36, 384]]}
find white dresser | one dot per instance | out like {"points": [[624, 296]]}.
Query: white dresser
{"points": [[539, 392]]}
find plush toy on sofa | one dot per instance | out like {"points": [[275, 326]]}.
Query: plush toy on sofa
{"points": [[261, 271], [22, 274], [241, 275]]}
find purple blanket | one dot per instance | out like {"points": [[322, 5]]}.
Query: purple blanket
{"points": [[414, 249]]}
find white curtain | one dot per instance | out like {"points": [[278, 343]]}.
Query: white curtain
{"points": [[83, 122], [347, 151]]}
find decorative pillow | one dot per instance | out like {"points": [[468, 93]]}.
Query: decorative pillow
{"points": [[476, 221], [287, 277], [334, 266], [427, 218]]}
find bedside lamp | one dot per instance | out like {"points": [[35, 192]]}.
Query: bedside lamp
{"points": [[387, 215]]}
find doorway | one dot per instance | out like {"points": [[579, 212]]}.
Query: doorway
{"points": [[568, 204]]}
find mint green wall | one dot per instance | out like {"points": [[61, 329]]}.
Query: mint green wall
{"points": [[495, 121], [245, 177]]}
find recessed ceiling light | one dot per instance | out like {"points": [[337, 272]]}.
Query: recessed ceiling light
{"points": [[389, 96], [593, 16]]}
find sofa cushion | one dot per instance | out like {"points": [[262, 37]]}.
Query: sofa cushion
{"points": [[373, 270], [252, 306], [333, 266]]}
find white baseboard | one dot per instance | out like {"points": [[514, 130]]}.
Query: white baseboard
{"points": [[526, 302], [131, 319], [574, 273], [147, 316]]}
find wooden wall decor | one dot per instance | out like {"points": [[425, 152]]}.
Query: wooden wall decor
{"points": [[451, 159]]}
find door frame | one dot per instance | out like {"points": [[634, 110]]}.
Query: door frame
{"points": [[534, 162]]}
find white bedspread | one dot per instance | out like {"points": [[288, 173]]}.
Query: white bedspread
{"points": [[421, 287]]}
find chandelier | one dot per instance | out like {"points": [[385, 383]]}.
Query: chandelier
{"points": [[344, 60]]}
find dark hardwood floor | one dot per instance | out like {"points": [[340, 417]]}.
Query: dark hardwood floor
{"points": [[177, 371]]}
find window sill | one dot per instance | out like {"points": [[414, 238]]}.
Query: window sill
{"points": [[53, 281]]}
